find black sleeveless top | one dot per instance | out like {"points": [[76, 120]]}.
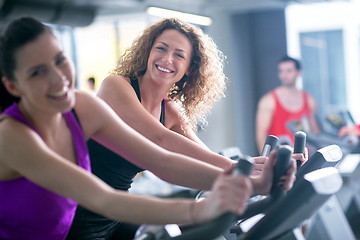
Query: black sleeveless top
{"points": [[115, 171], [110, 167]]}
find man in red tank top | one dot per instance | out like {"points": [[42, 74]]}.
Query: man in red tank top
{"points": [[284, 104]]}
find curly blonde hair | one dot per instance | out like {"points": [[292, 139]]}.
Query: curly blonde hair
{"points": [[196, 92]]}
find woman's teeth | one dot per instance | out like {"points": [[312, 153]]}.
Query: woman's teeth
{"points": [[163, 69], [60, 93]]}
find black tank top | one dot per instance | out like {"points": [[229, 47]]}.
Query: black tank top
{"points": [[110, 167], [115, 171]]}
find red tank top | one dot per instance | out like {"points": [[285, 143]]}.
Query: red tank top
{"points": [[281, 117]]}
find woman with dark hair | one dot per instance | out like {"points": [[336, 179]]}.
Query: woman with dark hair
{"points": [[44, 163]]}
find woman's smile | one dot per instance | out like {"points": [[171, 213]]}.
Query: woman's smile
{"points": [[163, 69]]}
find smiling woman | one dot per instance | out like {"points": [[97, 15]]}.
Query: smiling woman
{"points": [[44, 162], [196, 87], [48, 83], [168, 61], [163, 85]]}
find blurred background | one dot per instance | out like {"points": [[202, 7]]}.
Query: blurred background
{"points": [[253, 34]]}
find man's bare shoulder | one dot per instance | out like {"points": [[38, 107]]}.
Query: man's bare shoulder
{"points": [[267, 100], [311, 100]]}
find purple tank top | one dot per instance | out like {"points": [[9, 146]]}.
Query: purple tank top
{"points": [[28, 211]]}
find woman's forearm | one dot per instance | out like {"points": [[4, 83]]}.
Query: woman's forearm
{"points": [[185, 171], [148, 210], [177, 143]]}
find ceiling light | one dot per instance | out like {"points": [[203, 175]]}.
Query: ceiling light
{"points": [[188, 17]]}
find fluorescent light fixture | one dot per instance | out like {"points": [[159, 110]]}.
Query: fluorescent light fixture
{"points": [[188, 17]]}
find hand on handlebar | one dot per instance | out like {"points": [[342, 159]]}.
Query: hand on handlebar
{"points": [[262, 183], [348, 131], [302, 157], [229, 194], [259, 163]]}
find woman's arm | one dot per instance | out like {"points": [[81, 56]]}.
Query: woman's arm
{"points": [[32, 159], [175, 168], [262, 183], [103, 125], [118, 93]]}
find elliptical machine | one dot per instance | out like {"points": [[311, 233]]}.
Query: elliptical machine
{"points": [[281, 221], [310, 186], [329, 133]]}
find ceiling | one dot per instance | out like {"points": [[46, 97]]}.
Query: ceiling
{"points": [[83, 12]]}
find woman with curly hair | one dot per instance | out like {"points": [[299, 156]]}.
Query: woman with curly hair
{"points": [[194, 90], [163, 86]]}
